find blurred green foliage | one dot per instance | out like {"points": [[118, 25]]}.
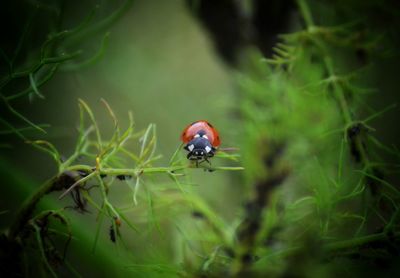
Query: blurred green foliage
{"points": [[313, 123]]}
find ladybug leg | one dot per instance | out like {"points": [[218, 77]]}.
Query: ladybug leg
{"points": [[205, 158], [209, 162]]}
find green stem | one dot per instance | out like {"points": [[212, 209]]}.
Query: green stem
{"points": [[305, 12], [27, 208], [39, 84], [35, 68], [389, 226], [99, 26], [138, 171], [334, 246], [42, 252], [355, 242], [344, 106], [25, 212], [338, 91]]}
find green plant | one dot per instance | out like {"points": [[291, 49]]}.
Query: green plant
{"points": [[28, 70], [107, 162], [319, 190]]}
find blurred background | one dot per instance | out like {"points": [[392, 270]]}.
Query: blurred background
{"points": [[270, 96]]}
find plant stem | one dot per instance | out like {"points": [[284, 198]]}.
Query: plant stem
{"points": [[338, 91], [334, 246], [305, 12], [27, 208], [138, 171], [355, 242]]}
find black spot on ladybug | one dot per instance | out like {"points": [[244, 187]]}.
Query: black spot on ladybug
{"points": [[201, 132]]}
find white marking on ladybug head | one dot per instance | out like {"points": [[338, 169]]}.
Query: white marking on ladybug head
{"points": [[191, 147], [197, 136], [204, 136], [208, 149]]}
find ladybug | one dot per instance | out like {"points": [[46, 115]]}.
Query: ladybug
{"points": [[201, 139]]}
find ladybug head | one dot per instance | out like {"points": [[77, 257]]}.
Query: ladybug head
{"points": [[199, 147]]}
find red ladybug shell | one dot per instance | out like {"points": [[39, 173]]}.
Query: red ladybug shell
{"points": [[191, 130]]}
